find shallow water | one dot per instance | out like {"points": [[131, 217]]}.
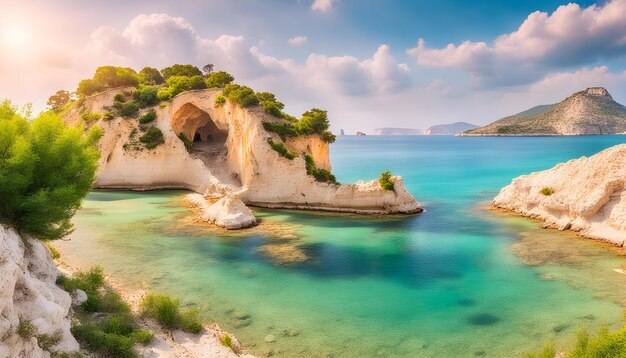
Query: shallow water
{"points": [[455, 281]]}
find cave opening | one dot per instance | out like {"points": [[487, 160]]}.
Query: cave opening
{"points": [[198, 126]]}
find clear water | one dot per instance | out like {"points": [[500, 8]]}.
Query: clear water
{"points": [[454, 281]]}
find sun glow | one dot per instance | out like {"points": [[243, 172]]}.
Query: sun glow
{"points": [[14, 35]]}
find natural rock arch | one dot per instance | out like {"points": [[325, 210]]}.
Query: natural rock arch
{"points": [[197, 125]]}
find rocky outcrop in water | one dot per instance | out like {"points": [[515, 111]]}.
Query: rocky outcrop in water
{"points": [[34, 311], [585, 195], [231, 154], [592, 111]]}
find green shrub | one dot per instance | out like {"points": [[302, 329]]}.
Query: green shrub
{"points": [[281, 149], [227, 341], [107, 77], [164, 94], [283, 130], [46, 169], [314, 121], [109, 116], [142, 336], [176, 85], [219, 101], [130, 109], [152, 138], [219, 79], [242, 95], [188, 143], [89, 281], [197, 82], [119, 98], [94, 116], [146, 95], [26, 329], [385, 180], [166, 310], [547, 191], [148, 117], [54, 252], [321, 175], [108, 344], [47, 341], [181, 70]]}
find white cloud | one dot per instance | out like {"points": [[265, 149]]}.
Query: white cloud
{"points": [[298, 40], [571, 35], [322, 5]]}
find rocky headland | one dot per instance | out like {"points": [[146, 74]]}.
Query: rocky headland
{"points": [[231, 154], [585, 195], [592, 111]]}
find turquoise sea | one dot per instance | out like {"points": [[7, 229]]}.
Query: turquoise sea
{"points": [[455, 281]]}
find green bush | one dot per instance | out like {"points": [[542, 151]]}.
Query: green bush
{"points": [[108, 344], [227, 341], [94, 116], [89, 281], [219, 79], [107, 77], [181, 70], [220, 101], [283, 130], [385, 180], [152, 138], [281, 149], [130, 109], [188, 143], [314, 121], [109, 116], [164, 94], [547, 191], [166, 310], [54, 252], [26, 329], [150, 76], [148, 117], [197, 82], [242, 95], [47, 341], [322, 175], [46, 169], [146, 95], [176, 85], [119, 98]]}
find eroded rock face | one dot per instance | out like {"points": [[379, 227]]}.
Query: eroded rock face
{"points": [[28, 293], [231, 155], [588, 196]]}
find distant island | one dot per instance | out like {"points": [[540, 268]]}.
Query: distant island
{"points": [[592, 111], [397, 131], [449, 129]]}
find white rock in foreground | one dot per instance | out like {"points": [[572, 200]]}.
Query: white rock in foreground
{"points": [[589, 196], [229, 212], [28, 293]]}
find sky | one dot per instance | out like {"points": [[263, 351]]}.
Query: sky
{"points": [[371, 64]]}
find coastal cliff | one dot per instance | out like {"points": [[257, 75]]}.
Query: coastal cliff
{"points": [[35, 311], [585, 195], [231, 154], [592, 111]]}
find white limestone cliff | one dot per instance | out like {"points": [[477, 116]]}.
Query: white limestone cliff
{"points": [[30, 297], [231, 155], [587, 197]]}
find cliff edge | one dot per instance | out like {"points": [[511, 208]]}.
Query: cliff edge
{"points": [[585, 195], [229, 152], [35, 311]]}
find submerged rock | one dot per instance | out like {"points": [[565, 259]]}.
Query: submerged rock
{"points": [[585, 195]]}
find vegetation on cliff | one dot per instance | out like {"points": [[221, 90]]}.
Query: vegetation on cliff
{"points": [[45, 171], [322, 175], [385, 181]]}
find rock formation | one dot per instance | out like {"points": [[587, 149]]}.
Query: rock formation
{"points": [[397, 131], [449, 129], [359, 133], [228, 212], [33, 309], [592, 111], [341, 132], [230, 155], [585, 195]]}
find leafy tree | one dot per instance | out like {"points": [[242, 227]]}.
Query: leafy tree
{"points": [[197, 82], [45, 171], [242, 95], [57, 101], [112, 76], [312, 122], [180, 70], [208, 68], [88, 87], [178, 84], [385, 181], [219, 79], [150, 76]]}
